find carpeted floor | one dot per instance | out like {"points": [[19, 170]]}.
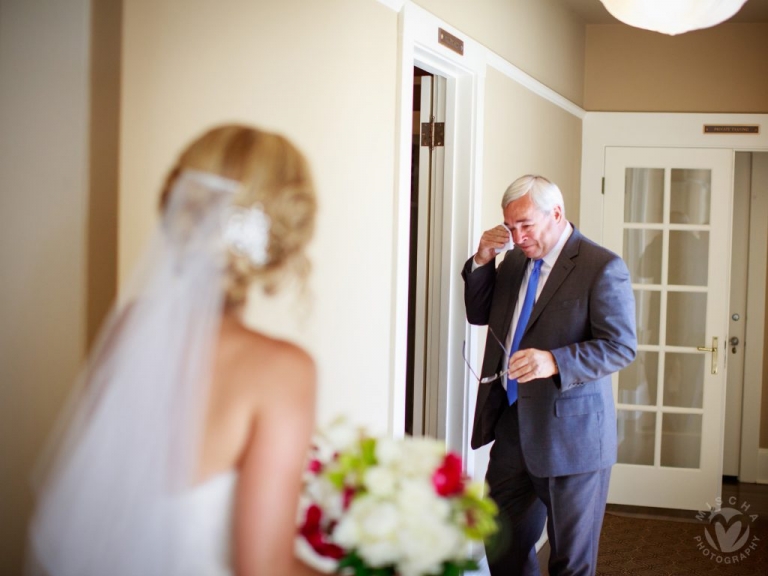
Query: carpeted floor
{"points": [[656, 542], [639, 547]]}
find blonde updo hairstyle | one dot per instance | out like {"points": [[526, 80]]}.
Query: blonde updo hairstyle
{"points": [[275, 176]]}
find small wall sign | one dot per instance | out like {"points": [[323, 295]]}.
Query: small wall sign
{"points": [[731, 129], [450, 41]]}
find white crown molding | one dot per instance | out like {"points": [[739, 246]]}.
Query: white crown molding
{"points": [[513, 72], [395, 5]]}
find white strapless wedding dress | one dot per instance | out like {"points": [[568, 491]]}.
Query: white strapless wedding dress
{"points": [[207, 536]]}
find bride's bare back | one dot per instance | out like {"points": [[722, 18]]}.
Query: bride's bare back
{"points": [[259, 422]]}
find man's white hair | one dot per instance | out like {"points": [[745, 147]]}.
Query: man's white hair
{"points": [[544, 194]]}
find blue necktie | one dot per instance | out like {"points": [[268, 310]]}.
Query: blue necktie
{"points": [[522, 322]]}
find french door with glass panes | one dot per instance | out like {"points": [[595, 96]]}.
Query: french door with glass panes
{"points": [[668, 213]]}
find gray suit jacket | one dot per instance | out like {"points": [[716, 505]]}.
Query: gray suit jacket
{"points": [[585, 316]]}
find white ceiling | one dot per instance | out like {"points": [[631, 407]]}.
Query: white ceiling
{"points": [[593, 11]]}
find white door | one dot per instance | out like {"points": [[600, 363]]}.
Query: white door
{"points": [[668, 213], [430, 316]]}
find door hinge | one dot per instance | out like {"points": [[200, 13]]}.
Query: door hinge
{"points": [[603, 188], [432, 133]]}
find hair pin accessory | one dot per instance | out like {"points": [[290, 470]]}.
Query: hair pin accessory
{"points": [[247, 233]]}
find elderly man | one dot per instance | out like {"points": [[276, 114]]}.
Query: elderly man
{"points": [[561, 319]]}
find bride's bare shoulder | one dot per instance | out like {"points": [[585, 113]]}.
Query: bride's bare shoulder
{"points": [[256, 356]]}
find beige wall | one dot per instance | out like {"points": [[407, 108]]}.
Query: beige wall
{"points": [[720, 69], [322, 73], [43, 213], [543, 37], [527, 134]]}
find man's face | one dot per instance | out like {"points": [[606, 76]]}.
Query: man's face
{"points": [[533, 231]]}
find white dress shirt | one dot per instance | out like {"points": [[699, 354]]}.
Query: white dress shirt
{"points": [[546, 267]]}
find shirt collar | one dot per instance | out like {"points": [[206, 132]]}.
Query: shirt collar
{"points": [[551, 257]]}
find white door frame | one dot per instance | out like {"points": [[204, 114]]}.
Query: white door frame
{"points": [[463, 172], [603, 129]]}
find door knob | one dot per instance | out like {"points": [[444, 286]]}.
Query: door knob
{"points": [[714, 353]]}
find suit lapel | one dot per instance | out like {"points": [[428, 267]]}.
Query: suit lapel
{"points": [[560, 271]]}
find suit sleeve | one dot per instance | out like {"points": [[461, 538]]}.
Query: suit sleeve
{"points": [[612, 341], [478, 291]]}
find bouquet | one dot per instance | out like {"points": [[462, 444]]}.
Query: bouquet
{"points": [[382, 507]]}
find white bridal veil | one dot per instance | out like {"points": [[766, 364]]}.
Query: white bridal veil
{"points": [[124, 452]]}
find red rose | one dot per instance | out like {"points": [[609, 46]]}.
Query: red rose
{"points": [[448, 479], [313, 534], [349, 494]]}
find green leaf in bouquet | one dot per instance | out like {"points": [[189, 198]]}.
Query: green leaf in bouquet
{"points": [[488, 506], [336, 477], [468, 564], [348, 462], [482, 527], [479, 514], [458, 567], [451, 570], [354, 562], [368, 452]]}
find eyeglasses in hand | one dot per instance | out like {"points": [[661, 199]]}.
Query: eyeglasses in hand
{"points": [[487, 379]]}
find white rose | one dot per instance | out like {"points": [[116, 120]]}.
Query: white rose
{"points": [[380, 553], [341, 434], [426, 543], [421, 456], [378, 519], [388, 451], [367, 519], [371, 525], [380, 481], [418, 498]]}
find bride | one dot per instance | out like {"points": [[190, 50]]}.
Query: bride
{"points": [[182, 450]]}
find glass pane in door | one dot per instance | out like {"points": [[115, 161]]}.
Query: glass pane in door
{"points": [[647, 316], [686, 316], [684, 379], [636, 437], [688, 257], [644, 195], [681, 440], [690, 196], [638, 381], [642, 253]]}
